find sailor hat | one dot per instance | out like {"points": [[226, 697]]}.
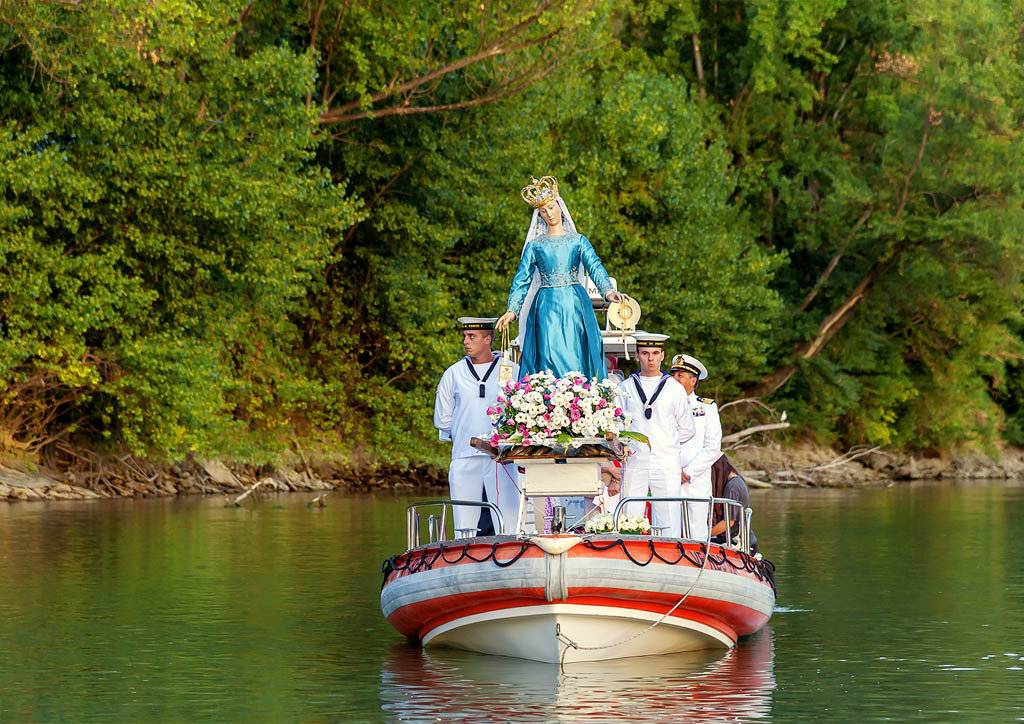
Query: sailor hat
{"points": [[689, 364], [477, 323], [650, 341]]}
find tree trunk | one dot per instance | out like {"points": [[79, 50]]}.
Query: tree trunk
{"points": [[826, 331]]}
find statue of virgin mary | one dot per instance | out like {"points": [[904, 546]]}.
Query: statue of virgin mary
{"points": [[557, 327]]}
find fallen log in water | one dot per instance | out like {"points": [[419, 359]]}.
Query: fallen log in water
{"points": [[237, 502]]}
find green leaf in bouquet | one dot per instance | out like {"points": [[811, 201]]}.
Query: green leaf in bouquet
{"points": [[564, 438], [638, 436]]}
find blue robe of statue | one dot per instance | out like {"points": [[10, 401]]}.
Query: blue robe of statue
{"points": [[560, 332]]}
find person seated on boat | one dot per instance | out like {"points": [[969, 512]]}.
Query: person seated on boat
{"points": [[465, 391], [661, 411], [557, 327], [704, 448], [726, 482]]}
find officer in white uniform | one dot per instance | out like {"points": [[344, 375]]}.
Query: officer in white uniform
{"points": [[661, 411], [465, 391], [701, 451]]}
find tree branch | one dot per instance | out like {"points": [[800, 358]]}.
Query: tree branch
{"points": [[414, 110], [699, 65], [833, 262], [499, 47], [737, 436]]}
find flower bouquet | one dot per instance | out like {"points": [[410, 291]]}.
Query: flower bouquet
{"points": [[542, 409], [602, 523]]}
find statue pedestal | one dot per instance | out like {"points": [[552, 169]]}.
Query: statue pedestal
{"points": [[556, 472], [557, 478]]}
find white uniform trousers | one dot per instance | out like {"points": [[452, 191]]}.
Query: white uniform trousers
{"points": [[467, 479], [636, 482], [698, 487]]}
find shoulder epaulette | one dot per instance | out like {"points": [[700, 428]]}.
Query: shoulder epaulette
{"points": [[706, 400]]}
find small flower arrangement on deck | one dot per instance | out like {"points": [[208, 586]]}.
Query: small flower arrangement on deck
{"points": [[602, 523], [543, 409]]}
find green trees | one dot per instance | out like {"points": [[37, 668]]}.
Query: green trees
{"points": [[161, 221], [224, 225], [878, 147]]}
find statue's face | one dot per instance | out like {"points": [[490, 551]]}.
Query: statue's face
{"points": [[550, 212]]}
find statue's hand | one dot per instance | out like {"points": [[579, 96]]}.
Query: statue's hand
{"points": [[615, 296], [505, 320]]}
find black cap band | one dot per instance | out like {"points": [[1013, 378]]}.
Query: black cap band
{"points": [[686, 367]]}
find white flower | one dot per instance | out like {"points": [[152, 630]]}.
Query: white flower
{"points": [[599, 523], [634, 523]]}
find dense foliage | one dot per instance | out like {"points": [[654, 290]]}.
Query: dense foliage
{"points": [[227, 227]]}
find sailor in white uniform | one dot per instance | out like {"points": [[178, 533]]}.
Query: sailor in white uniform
{"points": [[661, 411], [702, 450], [465, 391]]}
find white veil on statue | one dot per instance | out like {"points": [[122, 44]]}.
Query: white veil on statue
{"points": [[539, 227]]}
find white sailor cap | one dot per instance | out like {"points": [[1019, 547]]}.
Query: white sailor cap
{"points": [[650, 341], [689, 364], [477, 323]]}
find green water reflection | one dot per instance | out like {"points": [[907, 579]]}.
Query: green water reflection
{"points": [[899, 604]]}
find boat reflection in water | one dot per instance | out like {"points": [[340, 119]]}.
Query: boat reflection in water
{"points": [[448, 684]]}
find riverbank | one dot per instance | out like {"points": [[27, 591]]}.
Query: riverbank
{"points": [[763, 466], [808, 465]]}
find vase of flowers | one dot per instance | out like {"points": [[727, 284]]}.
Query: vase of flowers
{"points": [[542, 409]]}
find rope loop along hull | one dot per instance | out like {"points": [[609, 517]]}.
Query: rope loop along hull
{"points": [[559, 598]]}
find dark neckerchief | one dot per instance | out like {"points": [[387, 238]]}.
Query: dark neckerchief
{"points": [[643, 397], [472, 371]]}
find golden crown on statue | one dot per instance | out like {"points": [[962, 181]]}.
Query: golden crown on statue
{"points": [[540, 191]]}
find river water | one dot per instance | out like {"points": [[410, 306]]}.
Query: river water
{"points": [[899, 604]]}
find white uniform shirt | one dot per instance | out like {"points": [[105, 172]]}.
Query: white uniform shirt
{"points": [[459, 411], [701, 451], [670, 424]]}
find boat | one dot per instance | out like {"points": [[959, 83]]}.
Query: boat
{"points": [[570, 596]]}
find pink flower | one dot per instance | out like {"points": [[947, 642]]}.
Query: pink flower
{"points": [[547, 417], [500, 398], [526, 378], [494, 439], [490, 410], [547, 397], [586, 386], [575, 415], [618, 411], [528, 388], [602, 403], [503, 435], [547, 432]]}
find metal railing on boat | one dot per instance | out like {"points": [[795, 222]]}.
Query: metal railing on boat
{"points": [[742, 542], [437, 524]]}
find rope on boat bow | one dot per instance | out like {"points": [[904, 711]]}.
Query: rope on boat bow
{"points": [[763, 569], [424, 562], [569, 643]]}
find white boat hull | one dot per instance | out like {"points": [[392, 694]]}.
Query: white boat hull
{"points": [[544, 632]]}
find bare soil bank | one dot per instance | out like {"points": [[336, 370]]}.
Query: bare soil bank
{"points": [[763, 466]]}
